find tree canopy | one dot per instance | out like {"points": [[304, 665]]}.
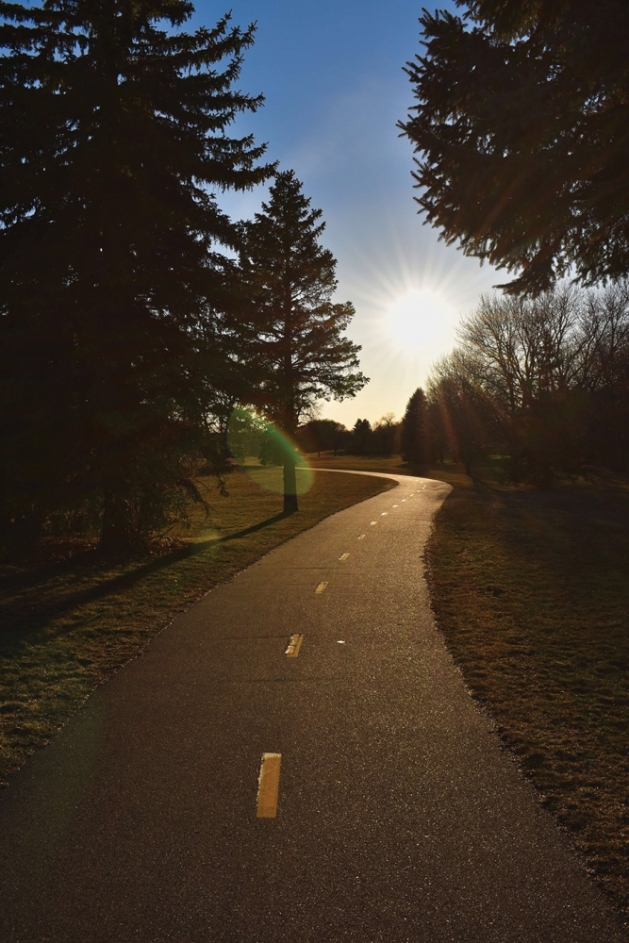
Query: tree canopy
{"points": [[522, 130], [115, 132]]}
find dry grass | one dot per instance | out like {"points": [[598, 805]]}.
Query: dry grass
{"points": [[531, 590], [67, 625]]}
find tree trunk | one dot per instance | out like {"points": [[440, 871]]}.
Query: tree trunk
{"points": [[118, 536], [290, 485]]}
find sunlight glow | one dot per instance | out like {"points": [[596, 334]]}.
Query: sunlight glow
{"points": [[417, 320]]}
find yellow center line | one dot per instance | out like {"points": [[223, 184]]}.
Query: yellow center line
{"points": [[294, 645], [343, 557], [362, 537], [384, 513], [321, 588], [373, 523], [395, 505], [269, 785]]}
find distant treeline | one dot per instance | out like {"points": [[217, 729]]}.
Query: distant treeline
{"points": [[250, 435], [326, 435], [544, 381]]}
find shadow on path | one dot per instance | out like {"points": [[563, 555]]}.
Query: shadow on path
{"points": [[22, 618]]}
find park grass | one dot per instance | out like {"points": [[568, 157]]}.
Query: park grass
{"points": [[531, 591], [70, 619]]}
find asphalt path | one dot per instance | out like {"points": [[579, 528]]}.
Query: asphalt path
{"points": [[397, 817]]}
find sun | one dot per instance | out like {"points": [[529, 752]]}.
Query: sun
{"points": [[418, 320]]}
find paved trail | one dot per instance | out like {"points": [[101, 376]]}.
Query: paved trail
{"points": [[399, 817]]}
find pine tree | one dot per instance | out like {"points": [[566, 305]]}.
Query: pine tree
{"points": [[362, 438], [115, 128], [521, 126], [414, 431], [301, 342]]}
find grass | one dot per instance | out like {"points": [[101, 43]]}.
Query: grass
{"points": [[70, 620], [531, 590]]}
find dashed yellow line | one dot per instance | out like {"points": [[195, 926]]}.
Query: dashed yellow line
{"points": [[269, 785], [384, 513], [373, 523], [321, 588], [294, 645], [343, 557], [361, 537]]}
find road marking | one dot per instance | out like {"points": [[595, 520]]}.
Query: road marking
{"points": [[343, 557], [396, 505], [269, 785], [294, 645], [403, 500], [321, 588], [373, 523], [384, 513], [362, 537], [340, 641]]}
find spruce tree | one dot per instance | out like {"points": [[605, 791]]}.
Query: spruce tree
{"points": [[521, 127], [301, 343], [362, 441], [413, 434], [115, 131]]}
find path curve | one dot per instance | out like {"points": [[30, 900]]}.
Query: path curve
{"points": [[399, 817]]}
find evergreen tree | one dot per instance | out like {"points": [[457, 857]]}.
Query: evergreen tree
{"points": [[522, 126], [301, 342], [114, 133], [414, 429], [362, 437]]}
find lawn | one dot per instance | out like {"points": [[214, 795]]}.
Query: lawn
{"points": [[531, 591], [69, 620]]}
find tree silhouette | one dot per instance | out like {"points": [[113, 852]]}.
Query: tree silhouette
{"points": [[300, 331], [114, 133], [544, 381], [322, 435], [361, 442], [414, 435], [521, 124], [385, 435]]}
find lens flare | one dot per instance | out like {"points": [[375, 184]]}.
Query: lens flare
{"points": [[252, 436]]}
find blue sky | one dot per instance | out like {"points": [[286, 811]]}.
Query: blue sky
{"points": [[332, 75]]}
